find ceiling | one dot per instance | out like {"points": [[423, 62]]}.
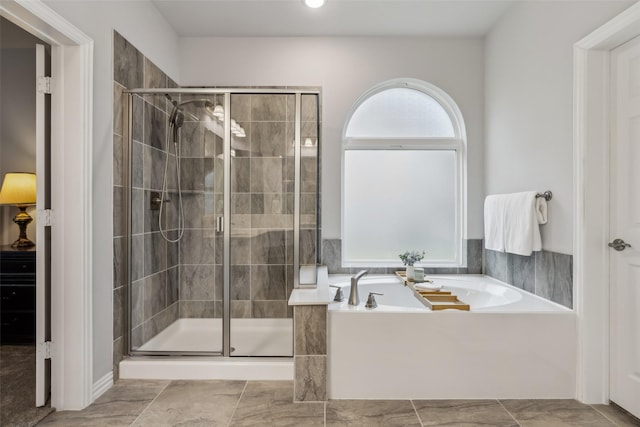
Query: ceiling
{"points": [[291, 18]]}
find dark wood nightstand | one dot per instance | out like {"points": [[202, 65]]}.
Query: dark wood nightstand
{"points": [[17, 295]]}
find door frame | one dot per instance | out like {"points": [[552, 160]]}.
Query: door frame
{"points": [[592, 118], [71, 199]]}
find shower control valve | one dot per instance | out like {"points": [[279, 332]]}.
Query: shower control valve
{"points": [[155, 201]]}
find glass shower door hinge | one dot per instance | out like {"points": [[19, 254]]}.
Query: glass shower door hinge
{"points": [[220, 224]]}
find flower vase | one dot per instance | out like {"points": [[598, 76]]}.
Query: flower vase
{"points": [[410, 272]]}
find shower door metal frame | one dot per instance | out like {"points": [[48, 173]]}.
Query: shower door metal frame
{"points": [[227, 92]]}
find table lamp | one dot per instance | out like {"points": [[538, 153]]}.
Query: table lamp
{"points": [[19, 189]]}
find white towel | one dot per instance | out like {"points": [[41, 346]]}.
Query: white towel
{"points": [[512, 222], [494, 210]]}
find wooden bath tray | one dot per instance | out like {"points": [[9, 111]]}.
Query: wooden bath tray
{"points": [[443, 302], [435, 299], [403, 276], [433, 292]]}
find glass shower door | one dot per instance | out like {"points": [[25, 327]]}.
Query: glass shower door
{"points": [[175, 206], [262, 223], [222, 201]]}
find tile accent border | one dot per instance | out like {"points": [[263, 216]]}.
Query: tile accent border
{"points": [[546, 274]]}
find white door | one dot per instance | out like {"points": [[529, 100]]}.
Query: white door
{"points": [[43, 235], [625, 228]]}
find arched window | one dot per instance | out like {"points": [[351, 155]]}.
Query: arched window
{"points": [[403, 176]]}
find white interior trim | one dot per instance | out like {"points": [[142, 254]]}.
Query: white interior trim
{"points": [[591, 185], [71, 183], [102, 385]]}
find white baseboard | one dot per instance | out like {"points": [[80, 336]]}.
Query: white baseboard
{"points": [[102, 385]]}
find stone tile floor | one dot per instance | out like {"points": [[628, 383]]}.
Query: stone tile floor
{"points": [[269, 403], [18, 386]]}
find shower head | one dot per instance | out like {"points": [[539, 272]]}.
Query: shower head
{"points": [[176, 117], [198, 103]]}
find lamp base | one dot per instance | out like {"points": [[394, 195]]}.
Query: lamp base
{"points": [[22, 244], [23, 219]]}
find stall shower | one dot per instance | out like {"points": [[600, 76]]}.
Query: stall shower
{"points": [[222, 200]]}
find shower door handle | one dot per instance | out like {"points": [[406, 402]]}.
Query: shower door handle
{"points": [[220, 224]]}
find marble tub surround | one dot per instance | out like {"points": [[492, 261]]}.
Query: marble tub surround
{"points": [[310, 353], [154, 268], [318, 294], [251, 403], [332, 258], [546, 274], [310, 339]]}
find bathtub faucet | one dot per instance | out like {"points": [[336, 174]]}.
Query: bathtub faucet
{"points": [[353, 295]]}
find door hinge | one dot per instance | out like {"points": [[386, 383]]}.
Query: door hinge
{"points": [[44, 84], [45, 217], [45, 350]]}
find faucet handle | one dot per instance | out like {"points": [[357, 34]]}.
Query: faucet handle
{"points": [[339, 295], [371, 301]]}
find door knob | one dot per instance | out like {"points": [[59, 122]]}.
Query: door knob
{"points": [[619, 245]]}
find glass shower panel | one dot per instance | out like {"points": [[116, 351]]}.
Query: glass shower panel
{"points": [[176, 256], [262, 195], [309, 180]]}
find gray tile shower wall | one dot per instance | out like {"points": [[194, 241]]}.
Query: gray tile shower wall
{"points": [[546, 274], [261, 257], [262, 197], [154, 268], [332, 258]]}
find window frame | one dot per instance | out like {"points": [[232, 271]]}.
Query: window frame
{"points": [[457, 143]]}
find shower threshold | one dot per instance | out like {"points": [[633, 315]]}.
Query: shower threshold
{"points": [[260, 338]]}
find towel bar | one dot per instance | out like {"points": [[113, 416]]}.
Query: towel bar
{"points": [[547, 195]]}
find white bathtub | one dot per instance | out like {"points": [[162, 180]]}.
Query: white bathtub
{"points": [[511, 344]]}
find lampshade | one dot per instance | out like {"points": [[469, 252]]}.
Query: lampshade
{"points": [[18, 189]]}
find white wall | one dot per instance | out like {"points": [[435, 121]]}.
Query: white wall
{"points": [[529, 104], [345, 68], [141, 24]]}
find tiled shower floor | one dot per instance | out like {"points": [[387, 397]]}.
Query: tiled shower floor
{"points": [[269, 403]]}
